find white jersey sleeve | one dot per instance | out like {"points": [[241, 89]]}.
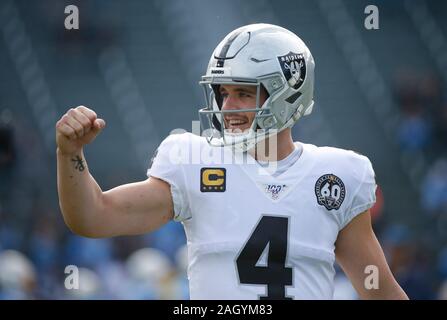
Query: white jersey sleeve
{"points": [[167, 166], [364, 196]]}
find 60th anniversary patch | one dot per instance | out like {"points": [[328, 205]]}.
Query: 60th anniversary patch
{"points": [[330, 191]]}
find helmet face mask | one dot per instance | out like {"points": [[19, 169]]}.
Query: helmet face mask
{"points": [[267, 57], [212, 117]]}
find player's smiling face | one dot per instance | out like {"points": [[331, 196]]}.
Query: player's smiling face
{"points": [[239, 97]]}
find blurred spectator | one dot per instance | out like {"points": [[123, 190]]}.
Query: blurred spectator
{"points": [[434, 188], [414, 132], [168, 239], [17, 276], [44, 241], [408, 262], [415, 129], [91, 253], [115, 280], [442, 263], [44, 251], [10, 238], [151, 274], [433, 99], [90, 287], [423, 111]]}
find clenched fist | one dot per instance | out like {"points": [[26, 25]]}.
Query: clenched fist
{"points": [[76, 128]]}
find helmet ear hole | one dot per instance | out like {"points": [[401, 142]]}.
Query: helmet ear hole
{"points": [[291, 99]]}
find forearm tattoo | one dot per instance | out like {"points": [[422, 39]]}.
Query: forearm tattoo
{"points": [[79, 163]]}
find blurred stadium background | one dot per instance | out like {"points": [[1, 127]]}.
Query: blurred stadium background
{"points": [[137, 64]]}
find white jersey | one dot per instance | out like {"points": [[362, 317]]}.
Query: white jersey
{"points": [[252, 235]]}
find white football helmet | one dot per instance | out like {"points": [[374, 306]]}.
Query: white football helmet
{"points": [[258, 54]]}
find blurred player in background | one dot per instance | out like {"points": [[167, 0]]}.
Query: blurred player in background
{"points": [[269, 223]]}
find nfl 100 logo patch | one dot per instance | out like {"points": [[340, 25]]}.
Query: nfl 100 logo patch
{"points": [[274, 190]]}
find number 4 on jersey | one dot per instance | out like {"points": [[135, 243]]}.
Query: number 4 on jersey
{"points": [[271, 231]]}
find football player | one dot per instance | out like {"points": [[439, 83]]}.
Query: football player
{"points": [[265, 217]]}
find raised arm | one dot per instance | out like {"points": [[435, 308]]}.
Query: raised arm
{"points": [[356, 248], [129, 209]]}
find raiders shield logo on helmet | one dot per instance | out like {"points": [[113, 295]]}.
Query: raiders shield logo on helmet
{"points": [[293, 67]]}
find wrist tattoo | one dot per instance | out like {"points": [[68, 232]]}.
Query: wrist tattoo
{"points": [[79, 163]]}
